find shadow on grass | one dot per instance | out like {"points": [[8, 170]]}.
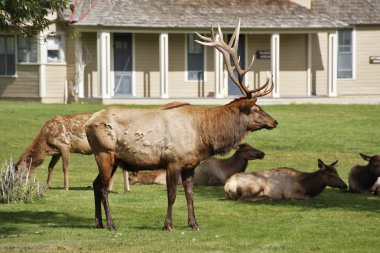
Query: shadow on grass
{"points": [[12, 221], [329, 198], [78, 188]]}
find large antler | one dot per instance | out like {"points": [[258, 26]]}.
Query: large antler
{"points": [[231, 49]]}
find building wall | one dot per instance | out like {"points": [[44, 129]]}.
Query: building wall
{"points": [[147, 65], [24, 85], [367, 79], [55, 81], [257, 76], [89, 49], [178, 86], [293, 65], [319, 69]]}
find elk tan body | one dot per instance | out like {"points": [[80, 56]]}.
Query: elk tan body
{"points": [[60, 136], [213, 171], [282, 183], [365, 179]]}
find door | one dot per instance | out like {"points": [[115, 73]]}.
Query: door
{"points": [[233, 90], [122, 64]]}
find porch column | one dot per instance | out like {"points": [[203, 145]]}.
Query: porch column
{"points": [[309, 64], [104, 52], [218, 59], [164, 64], [79, 66], [42, 47], [275, 61], [332, 64]]}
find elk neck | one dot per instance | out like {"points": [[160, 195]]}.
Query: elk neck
{"points": [[312, 183], [236, 162], [221, 128]]}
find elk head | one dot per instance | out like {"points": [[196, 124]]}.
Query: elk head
{"points": [[331, 176], [231, 49], [249, 153], [373, 163]]}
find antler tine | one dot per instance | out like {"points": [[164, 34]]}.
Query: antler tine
{"points": [[263, 90]]}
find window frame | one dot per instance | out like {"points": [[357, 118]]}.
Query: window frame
{"points": [[29, 40], [353, 54], [5, 36], [61, 59], [186, 62]]}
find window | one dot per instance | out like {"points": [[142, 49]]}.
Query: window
{"points": [[26, 49], [195, 59], [53, 49], [345, 53], [7, 55]]}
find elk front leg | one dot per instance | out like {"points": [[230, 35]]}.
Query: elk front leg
{"points": [[188, 185], [172, 176], [126, 182], [65, 167], [53, 162]]}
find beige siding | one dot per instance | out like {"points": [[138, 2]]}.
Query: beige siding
{"points": [[293, 65], [319, 69], [178, 86], [367, 75], [26, 84], [55, 80], [89, 49], [147, 68], [70, 58], [257, 75]]}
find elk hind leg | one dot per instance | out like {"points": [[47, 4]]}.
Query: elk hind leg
{"points": [[53, 162], [107, 167], [65, 166]]}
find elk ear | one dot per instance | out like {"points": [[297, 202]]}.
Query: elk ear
{"points": [[365, 157], [334, 164], [246, 106], [321, 165]]}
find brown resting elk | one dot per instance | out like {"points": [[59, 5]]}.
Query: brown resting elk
{"points": [[176, 138], [211, 172], [365, 179], [283, 183], [58, 137]]}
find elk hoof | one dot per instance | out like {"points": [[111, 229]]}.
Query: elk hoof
{"points": [[168, 227], [195, 227], [111, 227]]}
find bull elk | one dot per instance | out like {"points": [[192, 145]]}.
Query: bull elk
{"points": [[177, 138], [365, 179], [283, 183], [59, 137]]}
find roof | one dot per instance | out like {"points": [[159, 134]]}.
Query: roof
{"points": [[255, 14], [354, 12]]}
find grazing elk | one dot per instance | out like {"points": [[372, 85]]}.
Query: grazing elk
{"points": [[365, 179], [59, 136], [213, 171], [176, 138], [283, 183]]}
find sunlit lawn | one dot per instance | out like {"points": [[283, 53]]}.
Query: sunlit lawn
{"points": [[335, 221]]}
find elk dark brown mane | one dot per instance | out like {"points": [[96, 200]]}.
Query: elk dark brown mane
{"points": [[365, 179], [177, 138]]}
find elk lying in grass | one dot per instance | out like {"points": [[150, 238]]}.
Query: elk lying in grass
{"points": [[283, 183], [58, 137], [176, 138], [212, 171], [365, 179]]}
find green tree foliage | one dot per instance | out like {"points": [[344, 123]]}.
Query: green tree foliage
{"points": [[27, 17]]}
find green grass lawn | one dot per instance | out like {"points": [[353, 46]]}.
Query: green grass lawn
{"points": [[335, 221]]}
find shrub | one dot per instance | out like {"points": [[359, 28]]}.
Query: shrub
{"points": [[16, 186]]}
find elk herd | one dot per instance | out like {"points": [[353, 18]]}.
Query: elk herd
{"points": [[177, 144]]}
